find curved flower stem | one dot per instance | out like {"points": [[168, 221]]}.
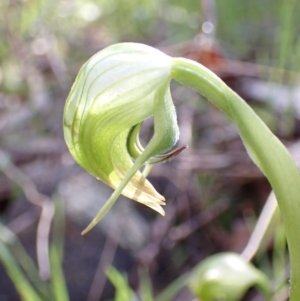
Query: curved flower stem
{"points": [[264, 148]]}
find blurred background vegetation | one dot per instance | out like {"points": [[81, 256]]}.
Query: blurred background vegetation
{"points": [[214, 193]]}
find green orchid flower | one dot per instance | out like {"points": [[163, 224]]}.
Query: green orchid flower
{"points": [[104, 112], [124, 84]]}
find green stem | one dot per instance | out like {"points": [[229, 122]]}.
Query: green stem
{"points": [[147, 170], [264, 148]]}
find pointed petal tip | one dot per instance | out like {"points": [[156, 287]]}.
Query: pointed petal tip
{"points": [[158, 209]]}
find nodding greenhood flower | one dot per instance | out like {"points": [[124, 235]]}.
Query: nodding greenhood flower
{"points": [[114, 92]]}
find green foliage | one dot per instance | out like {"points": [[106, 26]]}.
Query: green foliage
{"points": [[22, 270], [125, 293], [123, 290], [25, 289]]}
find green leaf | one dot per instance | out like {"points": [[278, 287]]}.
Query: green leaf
{"points": [[170, 292], [21, 257], [123, 290], [57, 276], [58, 281], [24, 288], [145, 288]]}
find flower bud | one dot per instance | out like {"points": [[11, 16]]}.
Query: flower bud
{"points": [[227, 277]]}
